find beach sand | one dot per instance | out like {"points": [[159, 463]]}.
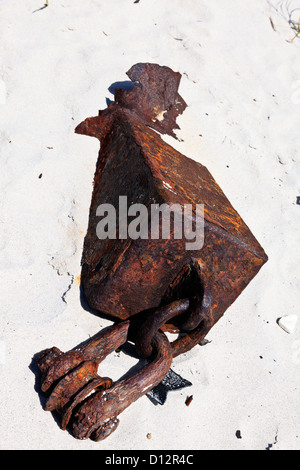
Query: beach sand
{"points": [[241, 81]]}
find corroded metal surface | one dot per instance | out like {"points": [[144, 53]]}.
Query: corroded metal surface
{"points": [[98, 416], [157, 284], [154, 99], [74, 377], [70, 377], [123, 277]]}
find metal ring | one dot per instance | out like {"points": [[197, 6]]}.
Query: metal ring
{"points": [[147, 331]]}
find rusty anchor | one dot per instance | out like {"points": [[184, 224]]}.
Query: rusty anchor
{"points": [[70, 378], [150, 285]]}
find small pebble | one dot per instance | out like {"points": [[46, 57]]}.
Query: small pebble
{"points": [[189, 400], [204, 341], [149, 435], [288, 323]]}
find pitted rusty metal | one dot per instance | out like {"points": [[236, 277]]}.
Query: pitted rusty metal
{"points": [[153, 285], [71, 377], [146, 332], [97, 417]]}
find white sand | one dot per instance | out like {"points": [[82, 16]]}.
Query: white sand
{"points": [[241, 81]]}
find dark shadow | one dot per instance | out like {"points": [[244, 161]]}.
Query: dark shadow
{"points": [[129, 350], [43, 397], [38, 376], [84, 302], [93, 311], [108, 102], [125, 85]]}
